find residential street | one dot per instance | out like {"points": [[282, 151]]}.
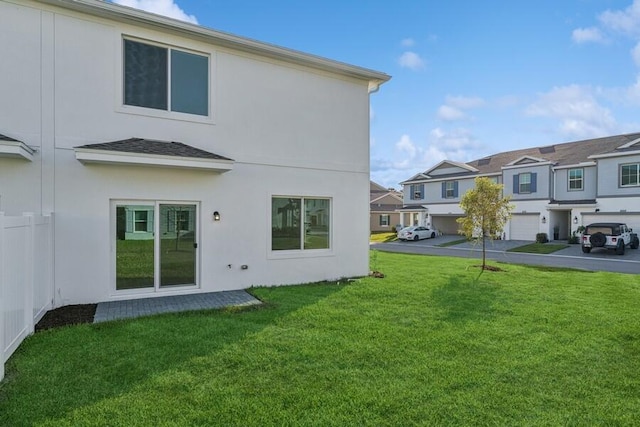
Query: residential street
{"points": [[571, 257]]}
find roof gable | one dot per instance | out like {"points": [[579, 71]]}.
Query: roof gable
{"points": [[526, 160], [448, 167]]}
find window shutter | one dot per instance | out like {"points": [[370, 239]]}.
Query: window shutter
{"points": [[455, 188], [412, 188], [422, 191], [444, 190], [534, 182], [516, 184], [171, 221], [150, 217], [129, 226]]}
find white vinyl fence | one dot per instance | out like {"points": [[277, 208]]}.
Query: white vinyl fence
{"points": [[26, 278]]}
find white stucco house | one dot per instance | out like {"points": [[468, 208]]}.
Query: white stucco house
{"points": [[554, 189], [178, 159]]}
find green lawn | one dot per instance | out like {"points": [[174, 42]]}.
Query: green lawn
{"points": [[383, 236], [430, 344]]}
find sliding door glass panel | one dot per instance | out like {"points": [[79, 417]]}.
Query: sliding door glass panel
{"points": [[177, 245], [134, 246]]}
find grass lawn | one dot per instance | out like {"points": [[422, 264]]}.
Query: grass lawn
{"points": [[539, 248], [430, 344], [383, 236]]}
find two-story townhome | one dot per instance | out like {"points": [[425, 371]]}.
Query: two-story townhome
{"points": [[178, 159], [554, 189], [384, 208]]}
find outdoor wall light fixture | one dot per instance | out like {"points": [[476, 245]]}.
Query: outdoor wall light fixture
{"points": [[575, 219], [216, 216], [544, 219]]}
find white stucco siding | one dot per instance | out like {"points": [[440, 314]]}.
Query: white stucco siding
{"points": [[84, 233], [261, 111]]}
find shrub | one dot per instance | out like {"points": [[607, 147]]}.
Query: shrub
{"points": [[542, 238]]}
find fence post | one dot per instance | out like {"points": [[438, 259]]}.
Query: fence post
{"points": [[29, 273], [2, 298]]}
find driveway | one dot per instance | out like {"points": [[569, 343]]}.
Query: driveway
{"points": [[571, 257]]}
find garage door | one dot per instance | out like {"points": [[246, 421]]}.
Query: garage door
{"points": [[632, 220], [446, 224], [524, 227]]}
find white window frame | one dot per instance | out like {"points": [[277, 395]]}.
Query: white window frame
{"points": [[637, 183], [528, 183], [570, 180], [449, 189], [121, 107], [136, 222], [387, 221], [300, 253]]}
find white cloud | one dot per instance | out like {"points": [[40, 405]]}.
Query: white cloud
{"points": [[635, 54], [625, 21], [411, 60], [408, 42], [161, 7], [455, 106], [585, 35], [576, 109], [449, 113]]}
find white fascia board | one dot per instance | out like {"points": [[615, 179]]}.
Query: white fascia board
{"points": [[122, 158], [400, 199], [527, 165], [452, 163], [16, 149], [577, 165], [105, 9], [609, 155]]}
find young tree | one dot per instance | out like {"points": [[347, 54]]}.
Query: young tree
{"points": [[486, 212]]}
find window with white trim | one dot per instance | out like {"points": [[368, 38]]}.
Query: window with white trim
{"points": [[576, 179], [140, 221], [300, 223], [630, 175], [385, 219], [450, 189], [524, 183], [165, 78]]}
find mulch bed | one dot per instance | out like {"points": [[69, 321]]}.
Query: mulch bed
{"points": [[67, 315]]}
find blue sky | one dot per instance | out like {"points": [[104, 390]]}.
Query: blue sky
{"points": [[469, 78]]}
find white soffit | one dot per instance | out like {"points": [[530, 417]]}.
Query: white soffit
{"points": [[16, 149], [85, 155]]}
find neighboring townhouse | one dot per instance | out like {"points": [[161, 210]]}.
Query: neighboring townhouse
{"points": [[554, 189], [178, 159], [383, 208]]}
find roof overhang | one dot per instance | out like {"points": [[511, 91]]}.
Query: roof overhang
{"points": [[87, 155], [614, 154], [16, 149], [105, 9]]}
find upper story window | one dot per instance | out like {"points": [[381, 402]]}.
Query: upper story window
{"points": [[576, 179], [524, 183], [630, 175], [449, 189], [164, 78], [416, 191]]}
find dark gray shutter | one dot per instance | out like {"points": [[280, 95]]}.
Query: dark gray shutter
{"points": [[455, 188], [534, 182], [444, 190], [516, 184]]}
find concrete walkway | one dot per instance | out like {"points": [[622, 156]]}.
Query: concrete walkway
{"points": [[126, 309]]}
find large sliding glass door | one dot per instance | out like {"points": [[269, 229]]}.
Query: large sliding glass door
{"points": [[155, 245]]}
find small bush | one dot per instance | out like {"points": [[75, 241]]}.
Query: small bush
{"points": [[542, 238]]}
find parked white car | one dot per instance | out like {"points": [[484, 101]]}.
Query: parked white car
{"points": [[416, 232]]}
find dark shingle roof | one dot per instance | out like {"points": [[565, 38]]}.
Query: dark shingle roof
{"points": [[568, 153], [151, 146]]}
